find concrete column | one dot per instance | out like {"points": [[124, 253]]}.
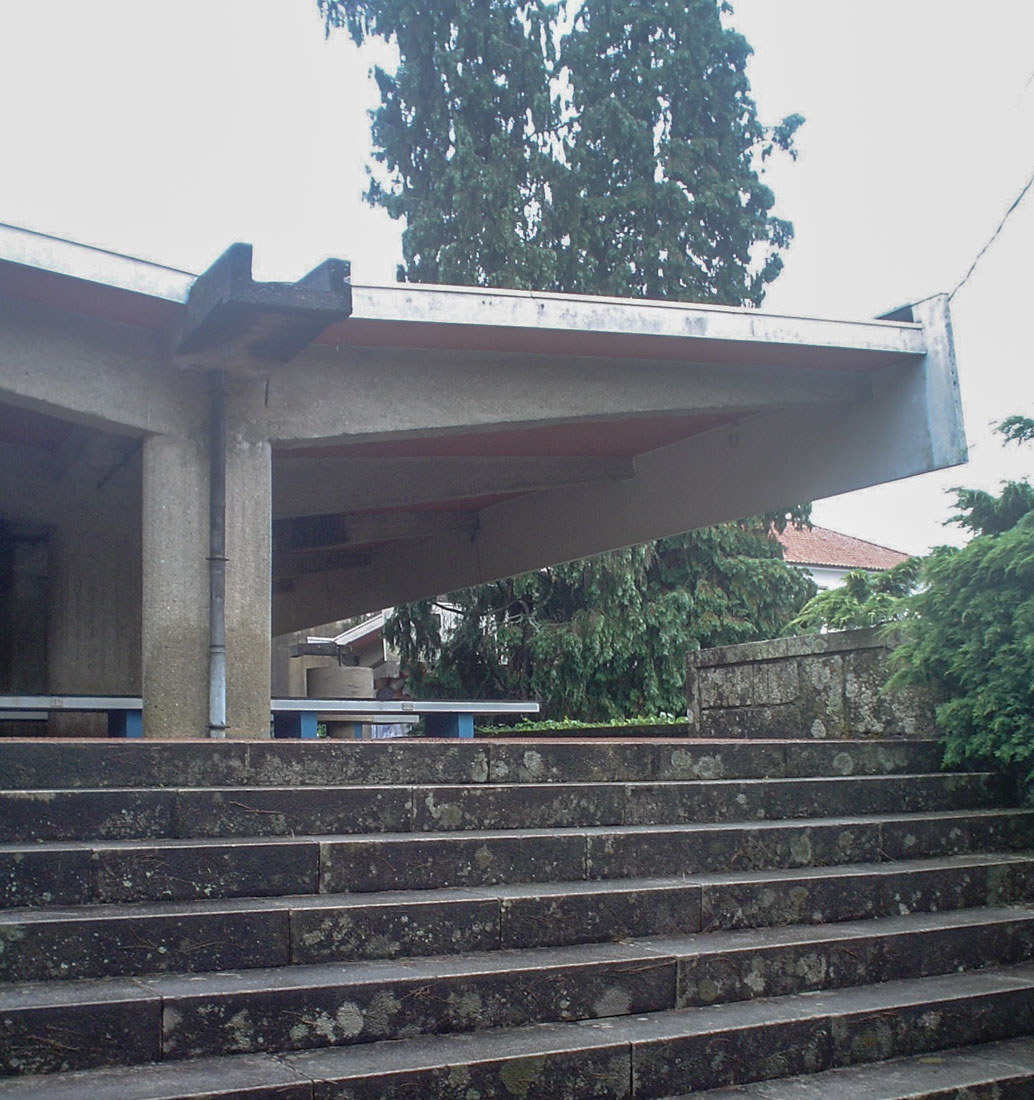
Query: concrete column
{"points": [[175, 587], [248, 586]]}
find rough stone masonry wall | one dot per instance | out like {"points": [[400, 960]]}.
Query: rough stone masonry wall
{"points": [[818, 685]]}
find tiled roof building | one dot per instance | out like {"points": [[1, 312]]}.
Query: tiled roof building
{"points": [[829, 555]]}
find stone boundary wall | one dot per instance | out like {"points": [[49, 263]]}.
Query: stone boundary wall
{"points": [[817, 685]]}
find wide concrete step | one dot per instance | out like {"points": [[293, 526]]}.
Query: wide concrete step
{"points": [[302, 1007], [650, 1055], [109, 940], [141, 813], [62, 873], [413, 862], [991, 1071], [34, 765]]}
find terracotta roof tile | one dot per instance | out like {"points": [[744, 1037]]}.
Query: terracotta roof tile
{"points": [[820, 546]]}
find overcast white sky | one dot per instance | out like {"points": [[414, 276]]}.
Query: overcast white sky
{"points": [[170, 130]]}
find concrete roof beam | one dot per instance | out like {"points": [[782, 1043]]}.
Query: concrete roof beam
{"points": [[346, 397], [306, 486]]}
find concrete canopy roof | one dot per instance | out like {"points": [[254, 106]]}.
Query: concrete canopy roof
{"points": [[441, 436]]}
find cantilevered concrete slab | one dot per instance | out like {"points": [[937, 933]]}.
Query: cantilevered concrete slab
{"points": [[432, 438]]}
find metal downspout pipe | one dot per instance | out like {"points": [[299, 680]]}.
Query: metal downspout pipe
{"points": [[217, 558]]}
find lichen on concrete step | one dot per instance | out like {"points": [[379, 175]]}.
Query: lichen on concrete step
{"points": [[992, 1071], [27, 765], [534, 919], [305, 1006]]}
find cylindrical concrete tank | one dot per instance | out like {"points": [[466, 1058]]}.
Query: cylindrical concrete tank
{"points": [[340, 682]]}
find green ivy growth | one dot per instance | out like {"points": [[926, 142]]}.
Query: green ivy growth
{"points": [[566, 725]]}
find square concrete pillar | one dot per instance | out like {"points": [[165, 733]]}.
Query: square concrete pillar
{"points": [[174, 640], [175, 636], [249, 624]]}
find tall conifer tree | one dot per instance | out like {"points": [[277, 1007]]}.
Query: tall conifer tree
{"points": [[615, 151]]}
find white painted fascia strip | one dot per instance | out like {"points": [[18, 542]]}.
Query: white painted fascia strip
{"points": [[95, 265], [471, 306]]}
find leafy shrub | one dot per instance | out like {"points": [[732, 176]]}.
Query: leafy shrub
{"points": [[864, 599], [969, 635]]}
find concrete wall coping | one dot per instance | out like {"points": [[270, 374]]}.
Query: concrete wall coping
{"points": [[804, 645]]}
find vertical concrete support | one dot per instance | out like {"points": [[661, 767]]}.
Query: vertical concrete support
{"points": [[175, 587], [248, 586]]}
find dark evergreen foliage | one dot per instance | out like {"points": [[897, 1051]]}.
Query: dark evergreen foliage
{"points": [[970, 631], [605, 637], [616, 152], [864, 599]]}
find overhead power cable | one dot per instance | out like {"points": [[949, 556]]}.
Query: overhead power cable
{"points": [[994, 236]]}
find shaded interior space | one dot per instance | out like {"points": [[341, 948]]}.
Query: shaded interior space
{"points": [[69, 565]]}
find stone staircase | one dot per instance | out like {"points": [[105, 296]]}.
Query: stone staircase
{"points": [[551, 920]]}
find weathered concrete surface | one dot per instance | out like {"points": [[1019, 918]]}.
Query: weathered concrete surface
{"points": [[817, 686], [459, 435], [109, 813], [248, 587], [175, 619], [175, 570], [508, 961], [995, 1071]]}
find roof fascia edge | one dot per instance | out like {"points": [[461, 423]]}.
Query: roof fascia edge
{"points": [[95, 265], [523, 309]]}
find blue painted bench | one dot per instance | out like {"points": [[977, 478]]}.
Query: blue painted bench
{"points": [[451, 718], [125, 712]]}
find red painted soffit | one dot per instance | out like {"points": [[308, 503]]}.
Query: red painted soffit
{"points": [[110, 303], [595, 439]]}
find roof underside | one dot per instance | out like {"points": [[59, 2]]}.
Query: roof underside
{"points": [[446, 435]]}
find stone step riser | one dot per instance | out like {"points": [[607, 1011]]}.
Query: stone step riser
{"points": [[368, 865], [650, 1065], [202, 939], [650, 1059], [836, 1035], [664, 1068], [249, 812], [35, 875], [992, 1071], [34, 765], [770, 903], [213, 1016], [868, 956], [323, 933], [182, 1024]]}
